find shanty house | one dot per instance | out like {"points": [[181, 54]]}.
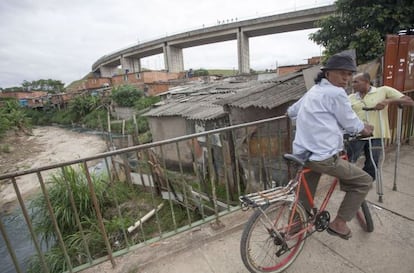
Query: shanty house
{"points": [[204, 107], [188, 110], [260, 147]]}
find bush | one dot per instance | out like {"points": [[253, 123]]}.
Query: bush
{"points": [[142, 124], [13, 116], [126, 95], [60, 200], [82, 105], [201, 72], [145, 102], [65, 117], [4, 125], [5, 148], [96, 119], [39, 117]]}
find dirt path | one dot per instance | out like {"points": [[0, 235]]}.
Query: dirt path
{"points": [[47, 145]]}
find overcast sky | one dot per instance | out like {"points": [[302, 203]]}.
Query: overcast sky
{"points": [[61, 39]]}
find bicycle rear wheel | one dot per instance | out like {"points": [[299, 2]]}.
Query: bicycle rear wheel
{"points": [[364, 217], [261, 249]]}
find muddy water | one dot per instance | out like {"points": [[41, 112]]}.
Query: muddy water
{"points": [[12, 218], [19, 237]]}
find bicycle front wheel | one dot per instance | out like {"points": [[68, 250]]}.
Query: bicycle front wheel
{"points": [[365, 218], [261, 249]]}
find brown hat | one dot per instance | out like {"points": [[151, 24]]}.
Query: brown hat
{"points": [[340, 61]]}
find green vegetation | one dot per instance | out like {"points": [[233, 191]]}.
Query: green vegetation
{"points": [[200, 72], [5, 148], [80, 106], [363, 26], [49, 85], [91, 111], [59, 198], [142, 124], [126, 95], [145, 102], [13, 117], [130, 96], [223, 72], [86, 110], [121, 205]]}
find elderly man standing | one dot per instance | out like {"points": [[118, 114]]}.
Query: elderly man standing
{"points": [[368, 96], [322, 115]]}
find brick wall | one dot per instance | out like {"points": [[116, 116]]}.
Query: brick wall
{"points": [[23, 95], [94, 83], [283, 70], [130, 79], [156, 76], [156, 88]]}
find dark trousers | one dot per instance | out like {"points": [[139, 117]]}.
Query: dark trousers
{"points": [[356, 147]]}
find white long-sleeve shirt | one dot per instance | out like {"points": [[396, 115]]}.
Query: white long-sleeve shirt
{"points": [[322, 116]]}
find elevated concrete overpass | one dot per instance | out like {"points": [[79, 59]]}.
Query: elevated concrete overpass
{"points": [[172, 46]]}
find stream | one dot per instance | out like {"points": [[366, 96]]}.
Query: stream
{"points": [[18, 232], [19, 237]]}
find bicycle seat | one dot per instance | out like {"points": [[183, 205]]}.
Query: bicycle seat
{"points": [[298, 158]]}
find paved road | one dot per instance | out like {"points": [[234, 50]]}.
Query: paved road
{"points": [[388, 249]]}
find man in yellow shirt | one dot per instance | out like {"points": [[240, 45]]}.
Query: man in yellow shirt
{"points": [[366, 95]]}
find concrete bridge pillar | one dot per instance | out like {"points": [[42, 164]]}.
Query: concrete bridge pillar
{"points": [[243, 54], [173, 58], [107, 71], [131, 64]]}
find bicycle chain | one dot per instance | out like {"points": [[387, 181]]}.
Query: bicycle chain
{"points": [[308, 234]]}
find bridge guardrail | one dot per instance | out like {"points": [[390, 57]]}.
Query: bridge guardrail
{"points": [[138, 195], [87, 212]]}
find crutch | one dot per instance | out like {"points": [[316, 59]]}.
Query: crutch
{"points": [[378, 171], [398, 141]]}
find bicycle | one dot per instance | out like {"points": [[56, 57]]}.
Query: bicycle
{"points": [[276, 232]]}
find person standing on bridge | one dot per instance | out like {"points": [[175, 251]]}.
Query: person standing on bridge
{"points": [[366, 95], [321, 116]]}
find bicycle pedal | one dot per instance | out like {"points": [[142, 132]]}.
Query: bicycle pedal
{"points": [[282, 250]]}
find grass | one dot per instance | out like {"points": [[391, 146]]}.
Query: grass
{"points": [[223, 72], [122, 204], [5, 148]]}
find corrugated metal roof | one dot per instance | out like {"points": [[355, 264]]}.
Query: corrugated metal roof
{"points": [[205, 102], [194, 107], [270, 94]]}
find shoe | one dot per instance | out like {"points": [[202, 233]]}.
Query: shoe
{"points": [[340, 235]]}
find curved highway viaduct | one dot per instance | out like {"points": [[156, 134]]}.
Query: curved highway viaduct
{"points": [[172, 46]]}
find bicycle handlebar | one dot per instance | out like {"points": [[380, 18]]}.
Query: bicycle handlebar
{"points": [[400, 105], [350, 137]]}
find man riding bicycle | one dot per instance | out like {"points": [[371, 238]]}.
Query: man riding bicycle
{"points": [[322, 116]]}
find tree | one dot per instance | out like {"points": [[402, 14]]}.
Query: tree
{"points": [[49, 85], [363, 25], [82, 105], [12, 116]]}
